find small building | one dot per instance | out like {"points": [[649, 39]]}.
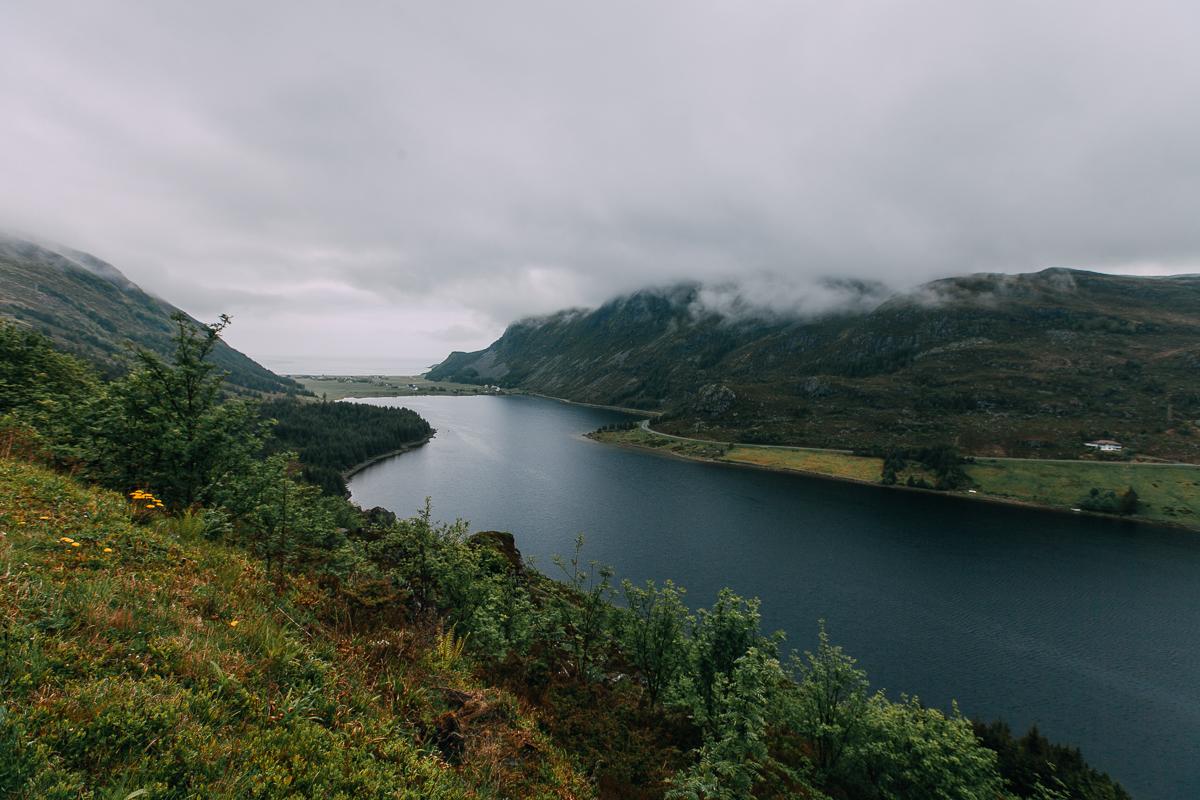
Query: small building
{"points": [[1104, 445]]}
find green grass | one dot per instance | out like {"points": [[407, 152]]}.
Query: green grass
{"points": [[649, 440], [136, 655], [339, 387], [819, 462], [1166, 493]]}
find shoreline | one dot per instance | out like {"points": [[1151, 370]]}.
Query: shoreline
{"points": [[956, 495], [405, 448], [623, 409], [644, 424]]}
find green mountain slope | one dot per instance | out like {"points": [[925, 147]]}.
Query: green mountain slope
{"points": [[1026, 365], [89, 308]]}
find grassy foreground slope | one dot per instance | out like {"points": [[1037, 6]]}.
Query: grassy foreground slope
{"points": [[139, 655]]}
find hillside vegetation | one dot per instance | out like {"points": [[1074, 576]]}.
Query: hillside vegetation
{"points": [[88, 308], [140, 655], [210, 625], [332, 438], [1004, 365]]}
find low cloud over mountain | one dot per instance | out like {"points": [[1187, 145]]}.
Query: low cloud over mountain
{"points": [[438, 167]]}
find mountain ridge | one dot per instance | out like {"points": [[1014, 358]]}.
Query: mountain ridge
{"points": [[90, 308], [998, 364]]}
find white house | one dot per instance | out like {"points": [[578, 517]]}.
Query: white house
{"points": [[1104, 445]]}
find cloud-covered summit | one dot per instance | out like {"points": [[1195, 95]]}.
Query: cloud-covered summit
{"points": [[405, 178]]}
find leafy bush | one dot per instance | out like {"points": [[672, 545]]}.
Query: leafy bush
{"points": [[943, 461], [652, 633], [1033, 766], [1109, 502]]}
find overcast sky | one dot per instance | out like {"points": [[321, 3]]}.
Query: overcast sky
{"points": [[378, 183]]}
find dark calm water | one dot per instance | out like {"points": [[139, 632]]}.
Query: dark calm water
{"points": [[1088, 628]]}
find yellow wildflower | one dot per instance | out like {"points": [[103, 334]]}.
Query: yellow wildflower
{"points": [[66, 539], [108, 549], [233, 623], [74, 544]]}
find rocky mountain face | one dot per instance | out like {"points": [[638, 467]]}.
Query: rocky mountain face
{"points": [[92, 310], [1027, 364]]}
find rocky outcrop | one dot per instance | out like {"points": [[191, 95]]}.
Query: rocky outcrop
{"points": [[501, 542], [715, 400]]}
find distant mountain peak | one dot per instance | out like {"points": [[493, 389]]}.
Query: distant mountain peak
{"points": [[997, 359], [50, 253], [88, 307]]}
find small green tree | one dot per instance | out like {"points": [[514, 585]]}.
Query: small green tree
{"points": [[44, 392], [719, 637], [432, 559], [653, 633], [283, 519], [504, 621], [164, 425], [734, 749], [584, 610], [1109, 502], [908, 751], [829, 703]]}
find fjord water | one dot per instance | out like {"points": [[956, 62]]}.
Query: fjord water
{"points": [[1089, 628]]}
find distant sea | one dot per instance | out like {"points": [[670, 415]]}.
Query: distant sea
{"points": [[320, 365]]}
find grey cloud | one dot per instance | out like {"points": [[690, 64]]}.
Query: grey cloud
{"points": [[479, 162]]}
